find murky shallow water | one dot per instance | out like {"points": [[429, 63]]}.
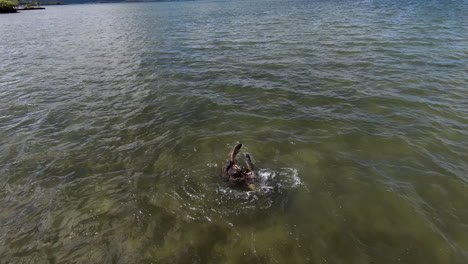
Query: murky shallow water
{"points": [[115, 120]]}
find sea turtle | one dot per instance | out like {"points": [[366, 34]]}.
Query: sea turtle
{"points": [[236, 174]]}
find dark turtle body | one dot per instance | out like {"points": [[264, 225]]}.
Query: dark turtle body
{"points": [[237, 174]]}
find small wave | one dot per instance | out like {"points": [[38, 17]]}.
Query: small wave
{"points": [[212, 165]]}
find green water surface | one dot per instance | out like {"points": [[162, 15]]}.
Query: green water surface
{"points": [[115, 120]]}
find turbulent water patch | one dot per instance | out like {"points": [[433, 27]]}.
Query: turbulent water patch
{"points": [[270, 182]]}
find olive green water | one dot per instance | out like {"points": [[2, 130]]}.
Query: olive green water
{"points": [[115, 120]]}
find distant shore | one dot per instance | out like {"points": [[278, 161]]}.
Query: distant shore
{"points": [[30, 8], [53, 3], [7, 6]]}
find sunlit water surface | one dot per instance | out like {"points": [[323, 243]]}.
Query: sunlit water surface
{"points": [[115, 120]]}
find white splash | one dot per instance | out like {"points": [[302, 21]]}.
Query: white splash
{"points": [[291, 177]]}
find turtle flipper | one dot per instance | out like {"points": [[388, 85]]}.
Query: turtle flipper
{"points": [[249, 163], [226, 169], [234, 152]]}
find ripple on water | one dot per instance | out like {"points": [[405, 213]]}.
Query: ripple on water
{"points": [[218, 201]]}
